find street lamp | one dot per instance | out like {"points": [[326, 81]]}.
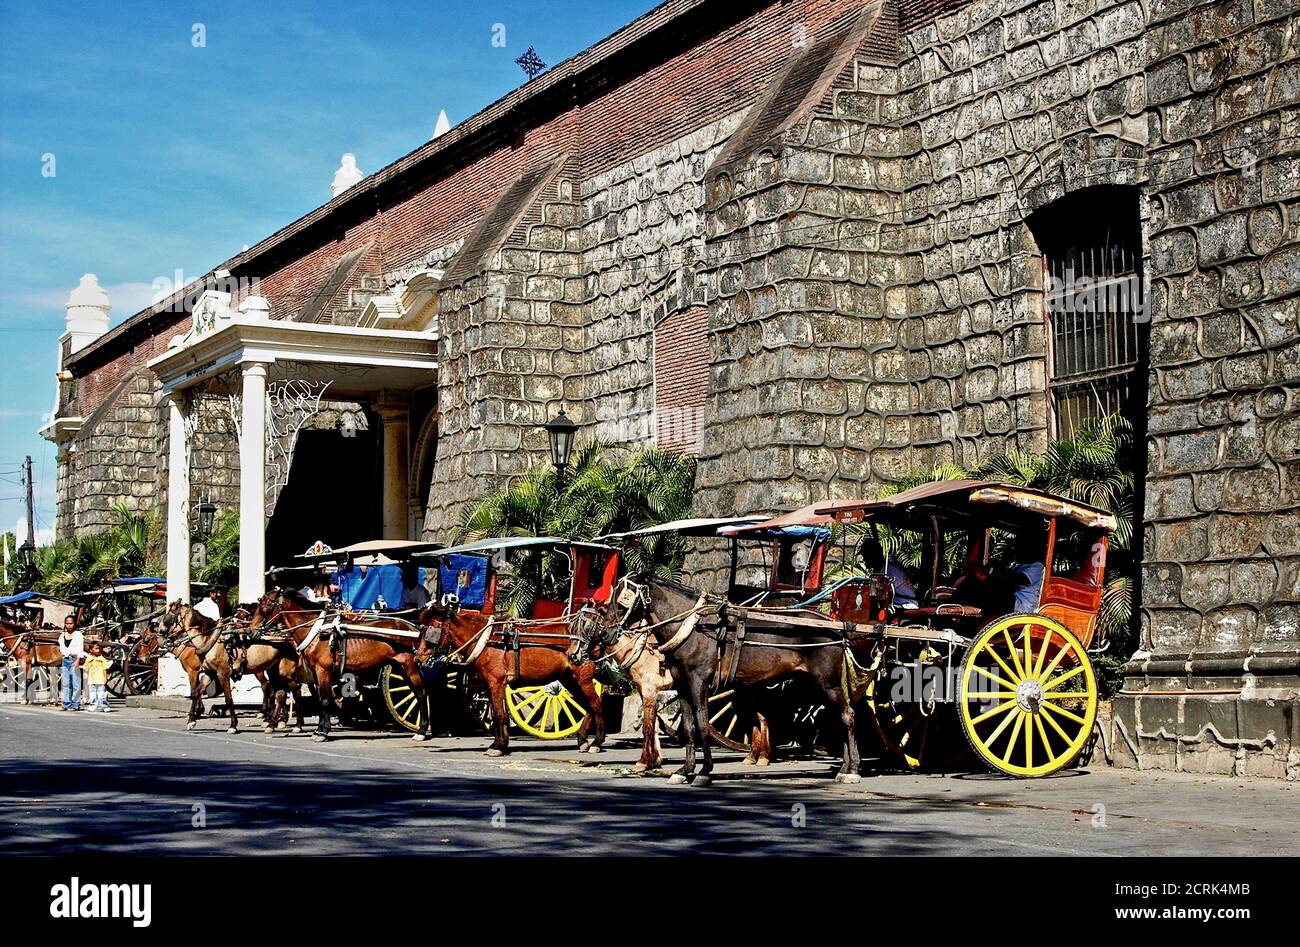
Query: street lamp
{"points": [[206, 513], [27, 552], [560, 430]]}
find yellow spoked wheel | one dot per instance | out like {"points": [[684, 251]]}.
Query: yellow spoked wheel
{"points": [[400, 697], [547, 711], [1028, 696]]}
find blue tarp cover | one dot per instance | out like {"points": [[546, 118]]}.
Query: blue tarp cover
{"points": [[363, 590], [466, 576]]}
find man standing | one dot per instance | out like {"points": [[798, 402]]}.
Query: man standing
{"points": [[209, 608], [72, 647]]}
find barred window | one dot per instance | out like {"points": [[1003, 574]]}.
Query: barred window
{"points": [[681, 378], [1097, 308]]}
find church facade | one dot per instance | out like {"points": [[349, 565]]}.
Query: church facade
{"points": [[821, 245]]}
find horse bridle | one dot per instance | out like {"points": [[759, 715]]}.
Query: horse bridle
{"points": [[627, 594]]}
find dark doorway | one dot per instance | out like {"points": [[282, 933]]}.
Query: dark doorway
{"points": [[333, 494]]}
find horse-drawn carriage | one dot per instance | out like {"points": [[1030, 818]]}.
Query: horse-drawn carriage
{"points": [[948, 646], [117, 617], [529, 589]]}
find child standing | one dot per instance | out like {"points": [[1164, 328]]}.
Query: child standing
{"points": [[96, 667]]}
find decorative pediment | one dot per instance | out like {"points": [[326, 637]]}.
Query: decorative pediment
{"points": [[412, 305], [211, 312]]}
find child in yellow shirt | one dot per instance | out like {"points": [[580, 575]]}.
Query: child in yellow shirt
{"points": [[96, 667]]}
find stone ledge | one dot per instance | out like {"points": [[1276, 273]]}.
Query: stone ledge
{"points": [[1207, 733]]}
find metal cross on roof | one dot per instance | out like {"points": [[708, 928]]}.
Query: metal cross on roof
{"points": [[531, 64]]}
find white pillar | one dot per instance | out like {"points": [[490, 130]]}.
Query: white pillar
{"points": [[252, 484], [395, 433], [178, 497]]}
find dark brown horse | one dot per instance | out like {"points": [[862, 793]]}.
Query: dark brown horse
{"points": [[328, 641], [701, 644], [504, 652]]}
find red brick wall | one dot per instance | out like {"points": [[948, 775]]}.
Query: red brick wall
{"points": [[681, 378]]}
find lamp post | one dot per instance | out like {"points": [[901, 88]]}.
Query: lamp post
{"points": [[27, 556], [207, 512], [560, 430]]}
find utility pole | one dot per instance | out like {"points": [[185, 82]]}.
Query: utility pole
{"points": [[31, 512]]}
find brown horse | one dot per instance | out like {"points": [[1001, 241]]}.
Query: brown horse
{"points": [[30, 647], [702, 648], [326, 640], [195, 641], [508, 653], [637, 655]]}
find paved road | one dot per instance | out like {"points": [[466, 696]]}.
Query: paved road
{"points": [[135, 781]]}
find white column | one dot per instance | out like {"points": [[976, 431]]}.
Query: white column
{"points": [[395, 433], [252, 484], [178, 496]]}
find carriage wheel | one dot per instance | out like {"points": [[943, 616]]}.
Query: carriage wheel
{"points": [[1028, 696], [919, 738], [548, 711], [473, 698], [726, 725], [400, 697], [140, 669], [11, 676]]}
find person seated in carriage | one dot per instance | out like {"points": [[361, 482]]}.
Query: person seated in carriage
{"points": [[877, 563], [1010, 586]]}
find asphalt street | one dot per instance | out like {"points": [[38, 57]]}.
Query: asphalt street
{"points": [[135, 781]]}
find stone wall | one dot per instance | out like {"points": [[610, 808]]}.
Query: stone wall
{"points": [[1222, 577], [512, 344], [114, 459], [642, 237]]}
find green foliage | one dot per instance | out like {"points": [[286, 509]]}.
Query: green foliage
{"points": [[131, 546], [602, 493], [221, 566]]}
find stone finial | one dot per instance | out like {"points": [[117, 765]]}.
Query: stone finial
{"points": [[347, 175], [87, 317], [255, 309], [443, 125]]}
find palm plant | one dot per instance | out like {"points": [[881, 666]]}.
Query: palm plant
{"points": [[602, 493], [91, 560], [221, 562]]}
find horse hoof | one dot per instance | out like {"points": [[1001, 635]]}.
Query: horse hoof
{"points": [[232, 730], [595, 748], [319, 737], [495, 751], [640, 768], [701, 781], [677, 779], [268, 729], [764, 761], [748, 762], [297, 730], [191, 725], [419, 737], [848, 778]]}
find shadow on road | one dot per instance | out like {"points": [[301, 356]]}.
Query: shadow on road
{"points": [[153, 805]]}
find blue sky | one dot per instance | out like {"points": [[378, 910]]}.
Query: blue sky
{"points": [[171, 156]]}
